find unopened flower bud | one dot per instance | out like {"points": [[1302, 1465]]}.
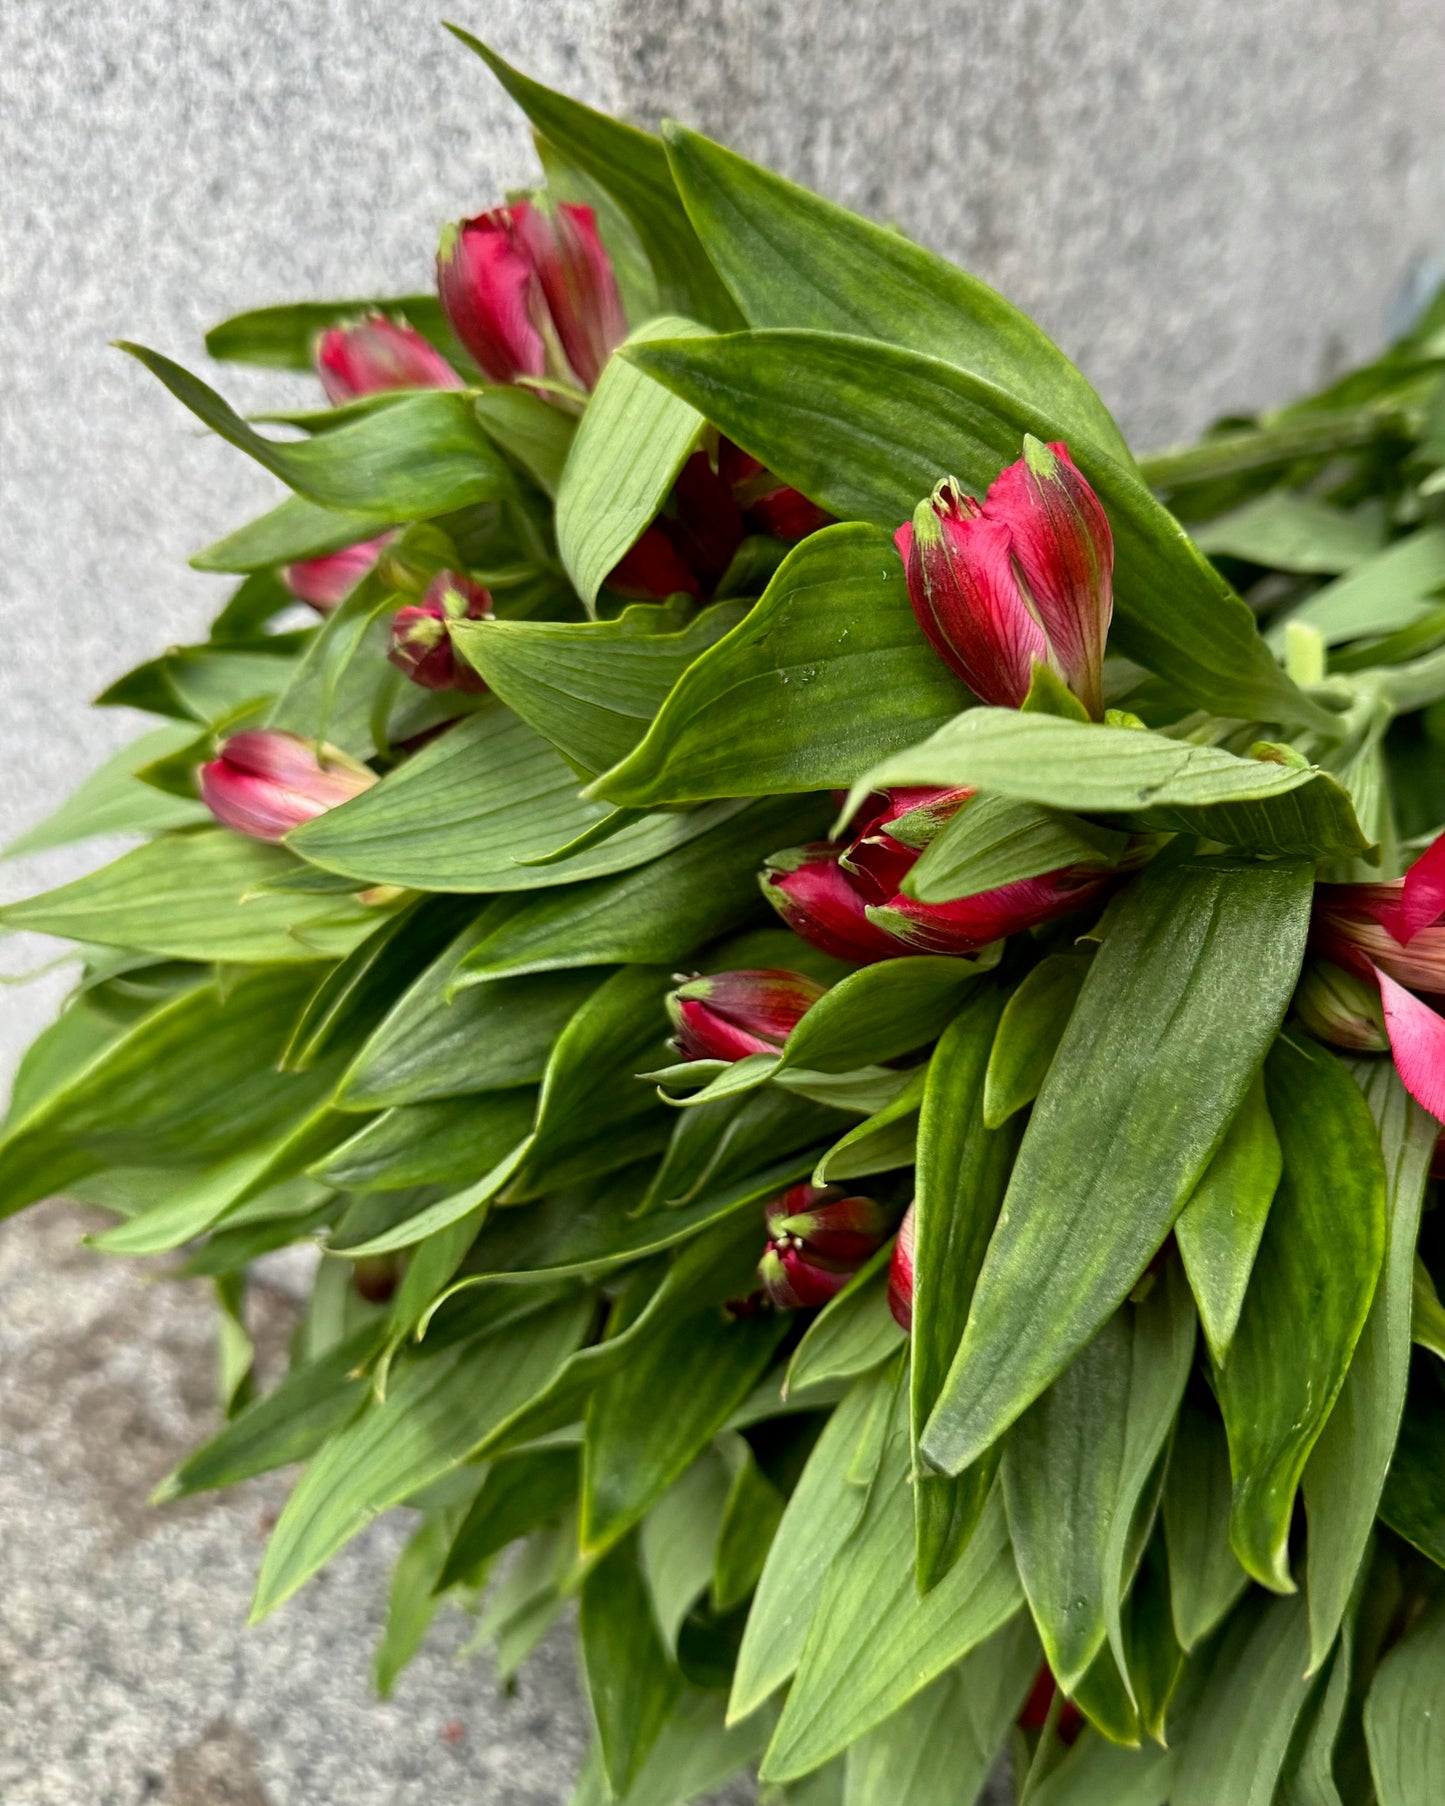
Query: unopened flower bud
{"points": [[264, 783], [326, 582], [733, 1014], [816, 1241], [1341, 1009], [421, 641], [374, 354], [900, 1274]]}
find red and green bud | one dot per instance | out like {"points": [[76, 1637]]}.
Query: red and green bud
{"points": [[846, 898], [265, 783], [325, 583], [1337, 1007], [421, 641], [733, 1014], [1022, 579], [817, 1240], [767, 505], [374, 354], [530, 291], [900, 1273]]}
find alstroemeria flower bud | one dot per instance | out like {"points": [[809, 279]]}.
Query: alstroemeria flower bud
{"points": [[326, 582], [768, 506], [421, 641], [900, 1273], [1337, 1007], [816, 1241], [734, 1014], [265, 783], [529, 290], [846, 897], [690, 544], [1025, 578], [376, 353]]}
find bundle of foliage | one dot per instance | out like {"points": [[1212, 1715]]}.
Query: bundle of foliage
{"points": [[973, 1291]]}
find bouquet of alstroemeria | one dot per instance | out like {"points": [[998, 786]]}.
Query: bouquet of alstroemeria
{"points": [[847, 1003]]}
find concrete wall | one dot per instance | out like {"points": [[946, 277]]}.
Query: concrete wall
{"points": [[1209, 205]]}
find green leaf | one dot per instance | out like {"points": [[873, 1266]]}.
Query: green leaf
{"points": [[995, 840], [197, 896], [426, 456], [591, 688], [465, 811], [536, 433], [852, 1334], [646, 1424], [754, 1510], [446, 1143], [1158, 1054], [826, 674], [963, 1170], [1413, 1502], [939, 1749], [657, 914], [1288, 531], [866, 430], [1427, 1315], [436, 1412], [1205, 1578], [885, 1140], [112, 800], [1077, 1465], [1156, 782], [314, 1401], [633, 440], [1345, 1474], [874, 1643], [880, 1012], [436, 1042], [1405, 1717], [1391, 590], [1096, 1772], [678, 1541], [284, 337], [412, 1604], [1032, 1026], [1315, 1273], [631, 1685], [820, 1515], [520, 1494], [1219, 1228], [694, 1752], [1236, 1745], [793, 259], [632, 167], [289, 533]]}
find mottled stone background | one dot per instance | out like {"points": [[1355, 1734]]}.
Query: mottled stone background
{"points": [[1209, 206]]}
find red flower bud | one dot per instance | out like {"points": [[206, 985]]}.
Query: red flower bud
{"points": [[768, 506], [816, 1242], [795, 1283], [1025, 578], [900, 1274], [1035, 1710], [325, 583], [530, 292], [421, 642], [264, 783], [375, 354], [733, 1014], [690, 544]]}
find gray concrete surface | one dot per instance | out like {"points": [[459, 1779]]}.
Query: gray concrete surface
{"points": [[1208, 205]]}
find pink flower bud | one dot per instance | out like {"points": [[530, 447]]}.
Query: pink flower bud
{"points": [[1024, 579], [733, 1014], [768, 506], [325, 583], [816, 1241], [530, 292], [1339, 1008], [900, 1274], [421, 641], [264, 783], [376, 353]]}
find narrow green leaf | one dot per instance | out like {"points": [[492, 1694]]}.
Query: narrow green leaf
{"points": [[1205, 1578], [1029, 1033], [1345, 1474], [1391, 590], [695, 1752], [1156, 782], [112, 800], [591, 688], [1413, 1502], [1313, 1279], [412, 1603], [879, 1012], [995, 840], [197, 896], [679, 1538], [963, 1170], [754, 1510], [1427, 1314], [520, 1494], [445, 1143], [793, 259], [885, 1140], [631, 1685], [852, 1334], [827, 674], [423, 457], [1405, 1717], [436, 1412], [634, 439], [289, 533], [1219, 1228], [284, 337], [1158, 1054], [866, 430], [537, 434], [1288, 531]]}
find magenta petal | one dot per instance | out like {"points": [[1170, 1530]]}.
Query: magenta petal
{"points": [[1417, 1040], [1422, 902], [566, 251]]}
